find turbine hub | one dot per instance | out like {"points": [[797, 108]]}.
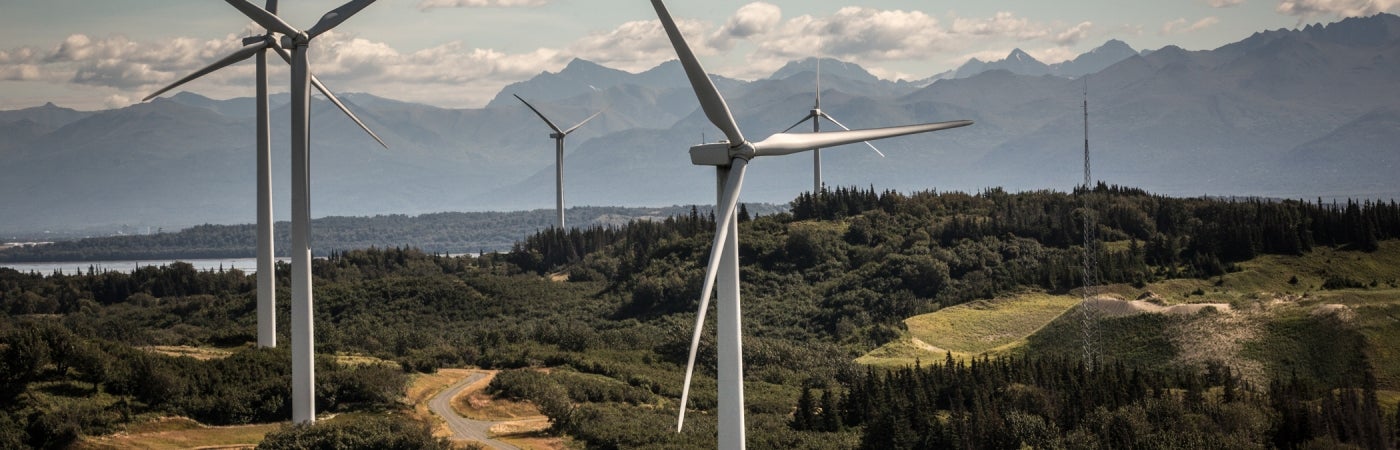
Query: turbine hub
{"points": [[301, 39], [556, 135]]}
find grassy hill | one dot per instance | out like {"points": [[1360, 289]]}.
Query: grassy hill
{"points": [[1287, 314]]}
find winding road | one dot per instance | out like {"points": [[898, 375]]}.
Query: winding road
{"points": [[462, 427]]}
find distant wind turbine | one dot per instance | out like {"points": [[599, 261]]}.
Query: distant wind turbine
{"points": [[267, 269], [730, 159], [558, 136], [303, 347], [815, 116]]}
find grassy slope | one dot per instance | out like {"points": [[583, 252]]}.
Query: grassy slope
{"points": [[1278, 327]]}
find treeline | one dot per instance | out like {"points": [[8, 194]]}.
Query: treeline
{"points": [[454, 233], [1166, 237], [1012, 403]]}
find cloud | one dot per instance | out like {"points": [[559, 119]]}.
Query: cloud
{"points": [[20, 72], [854, 31], [431, 4], [750, 20], [1180, 26], [1339, 8], [1003, 23], [1223, 3], [1073, 35]]}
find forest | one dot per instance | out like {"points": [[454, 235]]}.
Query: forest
{"points": [[609, 310]]}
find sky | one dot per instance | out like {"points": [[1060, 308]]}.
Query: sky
{"points": [[98, 54]]}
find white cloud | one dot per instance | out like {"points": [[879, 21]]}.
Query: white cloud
{"points": [[1339, 8], [118, 101], [20, 72], [1052, 55], [1180, 26], [1223, 3], [1004, 24], [753, 19], [431, 4], [1074, 34]]}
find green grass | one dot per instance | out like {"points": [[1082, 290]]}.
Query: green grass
{"points": [[989, 325]]}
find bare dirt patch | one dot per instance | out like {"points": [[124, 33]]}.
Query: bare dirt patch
{"points": [[1114, 307]]}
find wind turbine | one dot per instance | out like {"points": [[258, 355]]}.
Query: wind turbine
{"points": [[558, 136], [730, 159], [257, 46], [816, 115], [303, 347]]}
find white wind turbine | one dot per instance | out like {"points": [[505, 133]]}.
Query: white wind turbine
{"points": [[267, 278], [303, 347], [816, 115], [730, 159], [558, 136]]}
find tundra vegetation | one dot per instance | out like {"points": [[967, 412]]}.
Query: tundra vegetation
{"points": [[592, 326]]}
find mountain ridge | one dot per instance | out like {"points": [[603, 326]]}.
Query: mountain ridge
{"points": [[1225, 121]]}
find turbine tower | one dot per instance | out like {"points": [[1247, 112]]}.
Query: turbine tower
{"points": [[257, 46], [558, 136], [303, 347], [815, 115], [730, 159]]}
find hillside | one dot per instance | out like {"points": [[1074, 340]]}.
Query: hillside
{"points": [[593, 326], [1282, 113], [1277, 315]]}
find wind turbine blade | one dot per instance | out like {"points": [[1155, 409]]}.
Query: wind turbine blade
{"points": [[843, 127], [575, 127], [241, 54], [268, 20], [710, 101], [726, 214], [546, 120], [785, 143], [271, 6], [336, 16], [800, 122], [327, 92]]}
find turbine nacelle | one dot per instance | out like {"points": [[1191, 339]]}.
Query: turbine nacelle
{"points": [[720, 154]]}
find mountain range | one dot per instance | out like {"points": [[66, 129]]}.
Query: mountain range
{"points": [[1291, 113]]}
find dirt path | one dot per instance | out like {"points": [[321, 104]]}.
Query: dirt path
{"points": [[462, 427]]}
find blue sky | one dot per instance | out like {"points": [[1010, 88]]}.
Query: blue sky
{"points": [[93, 54]]}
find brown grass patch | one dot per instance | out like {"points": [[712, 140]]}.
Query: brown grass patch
{"points": [[539, 441], [180, 433], [200, 353]]}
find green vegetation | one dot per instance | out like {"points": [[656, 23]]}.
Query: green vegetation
{"points": [[593, 325], [986, 325]]}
